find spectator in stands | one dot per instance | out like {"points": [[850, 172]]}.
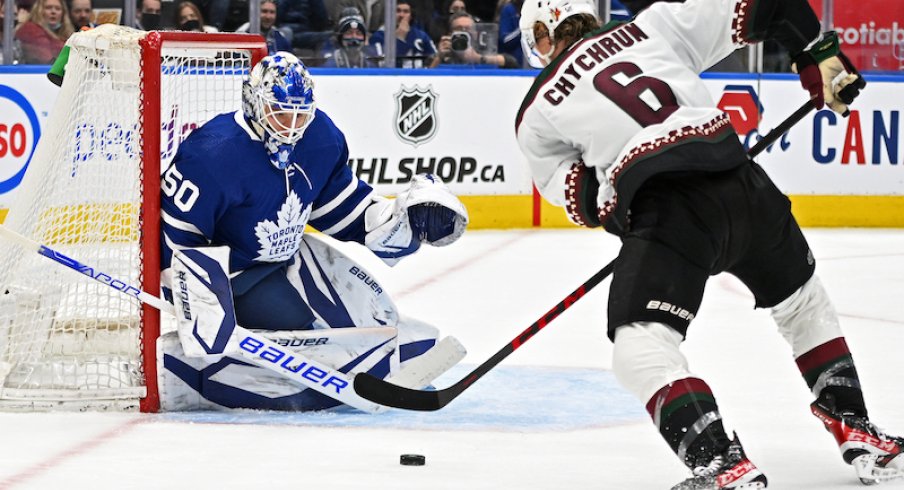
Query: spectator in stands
{"points": [[414, 48], [80, 13], [148, 15], [351, 49], [309, 23], [188, 18], [457, 48], [2, 27], [42, 37], [374, 13], [618, 11], [277, 37], [734, 62], [440, 25], [371, 11], [508, 17]]}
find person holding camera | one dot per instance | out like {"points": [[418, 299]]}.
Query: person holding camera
{"points": [[457, 48]]}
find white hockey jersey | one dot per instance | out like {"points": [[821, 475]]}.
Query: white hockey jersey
{"points": [[628, 101]]}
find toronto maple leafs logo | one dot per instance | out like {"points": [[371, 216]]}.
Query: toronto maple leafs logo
{"points": [[281, 240]]}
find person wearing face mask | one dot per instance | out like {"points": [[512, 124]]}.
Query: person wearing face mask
{"points": [[148, 16], [43, 35], [414, 48], [188, 18], [351, 49]]}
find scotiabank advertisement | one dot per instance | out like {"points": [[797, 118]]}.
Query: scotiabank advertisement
{"points": [[871, 31]]}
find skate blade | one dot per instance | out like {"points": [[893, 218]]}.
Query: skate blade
{"points": [[871, 473], [712, 486]]}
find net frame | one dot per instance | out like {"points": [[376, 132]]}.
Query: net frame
{"points": [[152, 47], [142, 223]]}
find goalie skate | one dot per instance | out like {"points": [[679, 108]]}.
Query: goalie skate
{"points": [[877, 457], [731, 470]]}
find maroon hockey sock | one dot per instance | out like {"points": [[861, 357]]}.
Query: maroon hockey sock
{"points": [[830, 373], [688, 418]]}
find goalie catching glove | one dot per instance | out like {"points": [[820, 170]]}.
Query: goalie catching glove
{"points": [[828, 74], [425, 213]]}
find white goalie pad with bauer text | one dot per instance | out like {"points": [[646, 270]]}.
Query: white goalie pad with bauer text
{"points": [[342, 293], [357, 329], [205, 315], [215, 382]]}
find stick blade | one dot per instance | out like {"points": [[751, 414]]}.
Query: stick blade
{"points": [[392, 395]]}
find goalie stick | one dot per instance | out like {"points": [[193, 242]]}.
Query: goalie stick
{"points": [[260, 351], [389, 394]]}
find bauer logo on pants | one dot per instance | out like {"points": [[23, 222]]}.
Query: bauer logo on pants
{"points": [[415, 114]]}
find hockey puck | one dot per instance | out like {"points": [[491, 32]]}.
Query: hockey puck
{"points": [[412, 460]]}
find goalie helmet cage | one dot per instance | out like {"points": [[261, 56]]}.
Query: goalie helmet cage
{"points": [[92, 192]]}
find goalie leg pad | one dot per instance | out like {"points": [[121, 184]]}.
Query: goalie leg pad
{"points": [[221, 382], [339, 291], [203, 299]]}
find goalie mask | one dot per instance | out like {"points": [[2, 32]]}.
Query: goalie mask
{"points": [[278, 102], [550, 13]]}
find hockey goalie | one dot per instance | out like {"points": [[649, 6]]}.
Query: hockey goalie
{"points": [[235, 203]]}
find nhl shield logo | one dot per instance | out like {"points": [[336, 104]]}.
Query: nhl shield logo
{"points": [[416, 114]]}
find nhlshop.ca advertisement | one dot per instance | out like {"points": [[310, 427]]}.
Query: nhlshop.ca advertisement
{"points": [[459, 128]]}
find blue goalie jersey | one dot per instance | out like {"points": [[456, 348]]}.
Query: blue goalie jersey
{"points": [[221, 189]]}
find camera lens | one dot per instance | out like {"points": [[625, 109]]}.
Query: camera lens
{"points": [[460, 41]]}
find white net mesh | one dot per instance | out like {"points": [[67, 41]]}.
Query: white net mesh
{"points": [[64, 337]]}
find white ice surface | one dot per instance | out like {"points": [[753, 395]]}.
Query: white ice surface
{"points": [[550, 416]]}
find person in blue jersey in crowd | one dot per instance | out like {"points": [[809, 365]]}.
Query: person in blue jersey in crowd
{"points": [[277, 37], [246, 184], [509, 17], [414, 48]]}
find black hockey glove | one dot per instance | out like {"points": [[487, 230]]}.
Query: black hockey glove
{"points": [[828, 74], [581, 189], [431, 222]]}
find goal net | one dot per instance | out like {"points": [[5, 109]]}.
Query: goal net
{"points": [[91, 192]]}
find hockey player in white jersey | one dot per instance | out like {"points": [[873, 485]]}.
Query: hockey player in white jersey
{"points": [[236, 200], [621, 132]]}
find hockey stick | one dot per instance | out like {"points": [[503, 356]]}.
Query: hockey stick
{"points": [[253, 348], [386, 393], [781, 129]]}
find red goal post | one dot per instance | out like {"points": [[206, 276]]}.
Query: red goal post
{"points": [[92, 191]]}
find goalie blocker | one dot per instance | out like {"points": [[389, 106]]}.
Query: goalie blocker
{"points": [[201, 368]]}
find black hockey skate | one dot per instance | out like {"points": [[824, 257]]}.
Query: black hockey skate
{"points": [[730, 470], [877, 457]]}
